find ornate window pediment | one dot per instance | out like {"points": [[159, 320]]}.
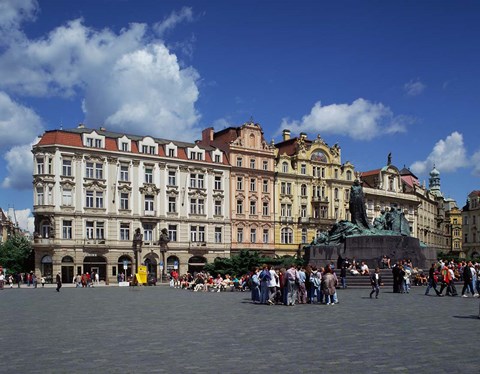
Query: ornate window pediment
{"points": [[149, 189]]}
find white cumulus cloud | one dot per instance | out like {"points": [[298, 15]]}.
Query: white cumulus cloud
{"points": [[414, 87], [18, 124], [128, 81], [448, 155], [361, 120], [24, 218], [12, 14], [19, 161], [475, 160]]}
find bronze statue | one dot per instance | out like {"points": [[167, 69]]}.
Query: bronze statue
{"points": [[164, 240], [357, 206]]}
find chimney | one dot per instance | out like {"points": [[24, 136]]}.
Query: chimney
{"points": [[286, 134], [207, 135], [303, 136], [81, 126]]}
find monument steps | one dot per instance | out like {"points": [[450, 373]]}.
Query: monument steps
{"points": [[363, 281]]}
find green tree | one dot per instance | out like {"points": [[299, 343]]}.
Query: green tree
{"points": [[15, 254]]}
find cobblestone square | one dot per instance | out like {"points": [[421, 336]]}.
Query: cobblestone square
{"points": [[164, 330]]}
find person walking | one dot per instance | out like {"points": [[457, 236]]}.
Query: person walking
{"points": [[432, 282], [468, 279], [59, 281], [2, 280], [375, 281]]}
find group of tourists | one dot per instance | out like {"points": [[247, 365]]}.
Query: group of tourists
{"points": [[446, 274], [87, 280], [28, 279]]}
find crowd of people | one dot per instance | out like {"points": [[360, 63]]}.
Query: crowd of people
{"points": [[27, 279]]}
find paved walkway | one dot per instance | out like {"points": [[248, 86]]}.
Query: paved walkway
{"points": [[164, 330]]}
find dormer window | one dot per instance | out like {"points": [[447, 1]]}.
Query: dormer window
{"points": [[148, 146], [196, 153], [171, 150], [148, 149], [124, 144], [94, 140], [217, 156]]}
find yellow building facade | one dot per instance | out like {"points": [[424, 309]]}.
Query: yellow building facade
{"points": [[312, 190]]}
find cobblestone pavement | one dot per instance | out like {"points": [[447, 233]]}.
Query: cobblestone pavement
{"points": [[164, 330]]}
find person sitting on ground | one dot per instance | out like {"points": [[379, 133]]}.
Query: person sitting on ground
{"points": [[364, 269]]}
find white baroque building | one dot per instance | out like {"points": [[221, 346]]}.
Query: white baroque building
{"points": [[94, 188]]}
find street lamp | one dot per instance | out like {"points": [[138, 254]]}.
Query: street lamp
{"points": [[137, 246]]}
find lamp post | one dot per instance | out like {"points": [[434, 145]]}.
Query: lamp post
{"points": [[137, 246]]}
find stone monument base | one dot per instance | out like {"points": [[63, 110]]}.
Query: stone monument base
{"points": [[371, 248]]}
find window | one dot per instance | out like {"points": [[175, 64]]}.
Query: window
{"points": [[218, 234], [98, 143], [253, 207], [172, 232], [89, 170], [94, 199], [40, 165], [253, 235], [124, 200], [303, 169], [349, 175], [67, 168], [239, 162], [239, 206], [265, 208], [90, 142], [286, 235], [265, 165], [149, 204], [286, 188], [149, 175], [172, 178], [286, 210], [196, 156], [218, 208], [265, 186], [253, 184], [172, 204], [99, 199], [196, 180], [218, 182], [335, 193], [289, 188], [323, 212], [303, 211], [335, 173], [100, 230], [99, 170], [89, 199], [124, 173], [171, 152], [124, 146], [90, 230], [304, 236], [197, 206], [124, 231], [284, 167], [265, 236], [303, 190], [197, 233], [40, 196], [239, 183], [252, 163], [67, 197], [240, 235], [148, 149], [67, 229], [148, 232], [217, 159]]}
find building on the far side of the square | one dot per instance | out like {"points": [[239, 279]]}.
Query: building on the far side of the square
{"points": [[252, 162], [7, 227], [471, 225], [453, 228], [93, 189], [312, 190]]}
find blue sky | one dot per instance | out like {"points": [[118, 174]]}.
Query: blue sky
{"points": [[374, 76]]}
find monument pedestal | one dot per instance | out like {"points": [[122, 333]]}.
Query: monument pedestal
{"points": [[371, 248]]}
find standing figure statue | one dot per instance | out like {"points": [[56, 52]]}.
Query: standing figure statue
{"points": [[163, 240], [357, 206]]}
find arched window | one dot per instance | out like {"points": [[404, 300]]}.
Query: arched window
{"points": [[335, 193], [287, 235], [303, 190], [349, 175], [284, 167], [304, 236]]}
